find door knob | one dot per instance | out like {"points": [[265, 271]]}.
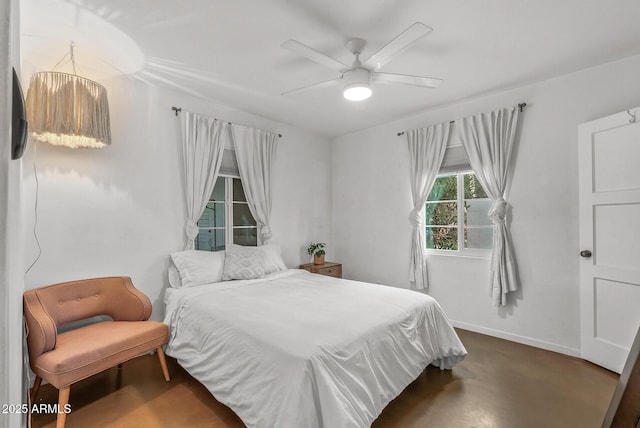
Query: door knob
{"points": [[585, 253]]}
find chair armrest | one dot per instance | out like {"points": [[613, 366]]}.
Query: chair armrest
{"points": [[41, 328], [135, 307]]}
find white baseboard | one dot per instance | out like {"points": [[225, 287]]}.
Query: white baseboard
{"points": [[573, 352]]}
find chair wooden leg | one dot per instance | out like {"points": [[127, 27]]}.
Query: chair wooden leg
{"points": [[36, 388], [163, 363], [63, 400]]}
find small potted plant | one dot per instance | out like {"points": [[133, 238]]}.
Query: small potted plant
{"points": [[316, 249]]}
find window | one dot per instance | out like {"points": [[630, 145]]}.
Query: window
{"points": [[456, 214], [226, 218]]}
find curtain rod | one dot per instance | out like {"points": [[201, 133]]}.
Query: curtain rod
{"points": [[521, 106], [179, 109]]}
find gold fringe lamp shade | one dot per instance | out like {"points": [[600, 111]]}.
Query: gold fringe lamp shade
{"points": [[68, 110]]}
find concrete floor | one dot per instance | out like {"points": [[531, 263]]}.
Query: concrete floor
{"points": [[500, 384]]}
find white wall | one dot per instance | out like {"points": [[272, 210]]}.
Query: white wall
{"points": [[371, 203], [120, 210], [11, 282]]}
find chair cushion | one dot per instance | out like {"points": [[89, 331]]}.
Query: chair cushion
{"points": [[88, 350]]}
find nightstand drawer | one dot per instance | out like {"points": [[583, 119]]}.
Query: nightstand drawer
{"points": [[335, 271], [327, 269]]}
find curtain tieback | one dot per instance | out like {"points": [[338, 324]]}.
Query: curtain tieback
{"points": [[192, 229], [498, 211], [415, 217], [265, 231]]}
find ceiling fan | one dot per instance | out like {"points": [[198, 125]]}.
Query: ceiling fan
{"points": [[357, 78]]}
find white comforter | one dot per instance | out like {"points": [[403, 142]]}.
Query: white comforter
{"points": [[299, 350]]}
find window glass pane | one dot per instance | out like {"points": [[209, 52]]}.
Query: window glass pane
{"points": [[444, 189], [441, 214], [472, 187], [245, 236], [442, 238], [476, 212], [214, 224], [213, 215], [242, 216], [478, 237], [210, 240], [238, 191], [218, 190]]}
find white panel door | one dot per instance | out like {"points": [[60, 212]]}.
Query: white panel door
{"points": [[609, 156]]}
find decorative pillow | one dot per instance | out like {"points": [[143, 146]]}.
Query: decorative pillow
{"points": [[198, 267], [243, 263]]}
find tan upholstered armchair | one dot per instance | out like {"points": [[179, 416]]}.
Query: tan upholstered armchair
{"points": [[65, 358]]}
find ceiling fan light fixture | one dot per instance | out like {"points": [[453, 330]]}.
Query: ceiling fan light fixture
{"points": [[356, 80], [357, 84]]}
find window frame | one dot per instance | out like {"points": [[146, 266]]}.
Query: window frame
{"points": [[461, 251], [228, 212]]}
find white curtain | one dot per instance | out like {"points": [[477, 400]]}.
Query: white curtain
{"points": [[203, 140], [255, 152], [488, 140], [426, 151]]}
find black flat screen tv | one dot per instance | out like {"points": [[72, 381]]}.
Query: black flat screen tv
{"points": [[19, 120]]}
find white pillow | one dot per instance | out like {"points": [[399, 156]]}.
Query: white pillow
{"points": [[252, 262], [243, 263], [198, 267], [174, 276], [272, 259]]}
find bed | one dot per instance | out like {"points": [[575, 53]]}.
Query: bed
{"points": [[296, 349]]}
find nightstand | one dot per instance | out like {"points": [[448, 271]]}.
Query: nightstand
{"points": [[328, 269]]}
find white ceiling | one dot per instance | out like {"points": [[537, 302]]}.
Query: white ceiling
{"points": [[229, 50]]}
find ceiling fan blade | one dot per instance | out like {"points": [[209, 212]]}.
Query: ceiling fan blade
{"points": [[320, 85], [314, 55], [405, 39], [406, 79]]}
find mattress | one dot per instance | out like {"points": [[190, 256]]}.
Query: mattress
{"points": [[297, 349]]}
